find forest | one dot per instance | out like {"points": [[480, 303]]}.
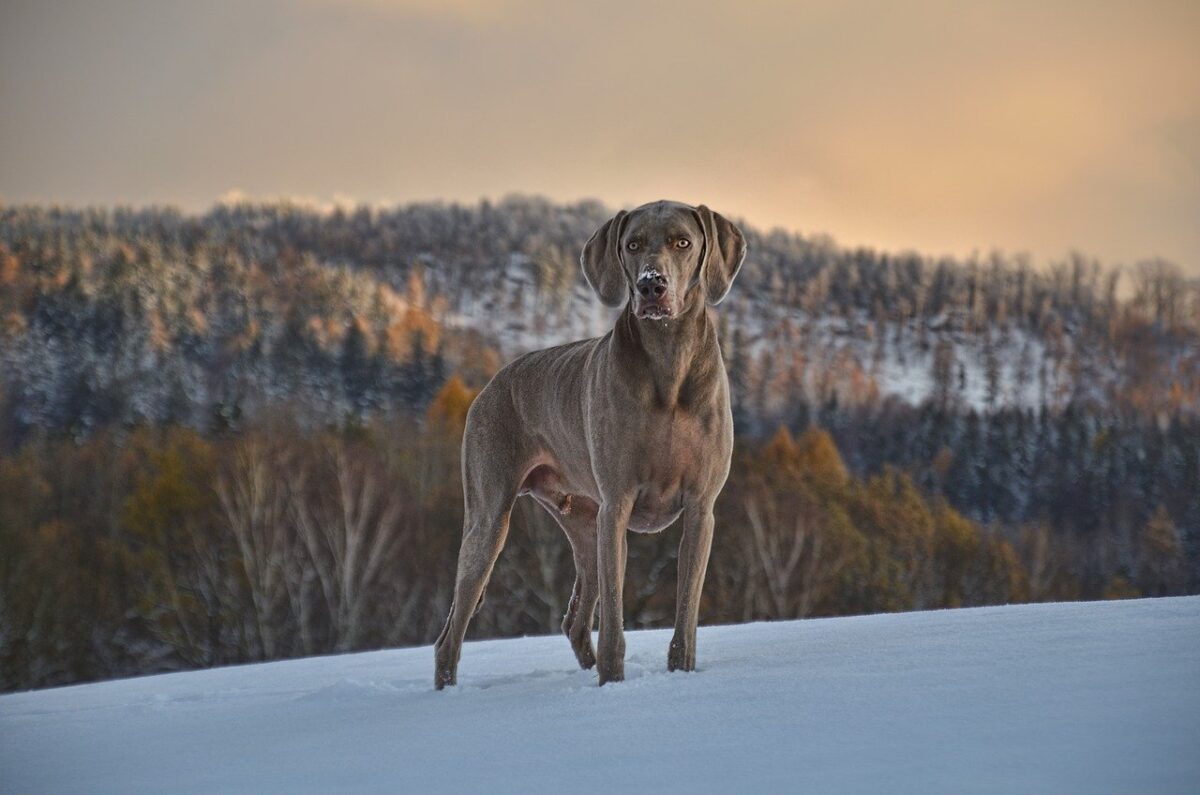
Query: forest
{"points": [[234, 436]]}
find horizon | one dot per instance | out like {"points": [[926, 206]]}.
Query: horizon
{"points": [[937, 128], [347, 205]]}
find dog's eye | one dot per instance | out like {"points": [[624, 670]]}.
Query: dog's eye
{"points": [[683, 242], [632, 245]]}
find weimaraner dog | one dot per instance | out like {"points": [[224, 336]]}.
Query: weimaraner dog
{"points": [[632, 430]]}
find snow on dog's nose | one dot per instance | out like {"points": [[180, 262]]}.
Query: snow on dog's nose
{"points": [[652, 285], [652, 288]]}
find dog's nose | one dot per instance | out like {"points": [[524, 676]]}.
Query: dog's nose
{"points": [[651, 285]]}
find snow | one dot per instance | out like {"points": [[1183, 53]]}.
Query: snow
{"points": [[899, 356], [1087, 697]]}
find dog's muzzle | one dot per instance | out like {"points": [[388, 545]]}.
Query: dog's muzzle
{"points": [[652, 287]]}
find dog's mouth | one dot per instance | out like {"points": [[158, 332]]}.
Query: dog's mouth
{"points": [[654, 312]]}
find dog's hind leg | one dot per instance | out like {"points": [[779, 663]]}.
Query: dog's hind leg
{"points": [[492, 470], [576, 515], [483, 538]]}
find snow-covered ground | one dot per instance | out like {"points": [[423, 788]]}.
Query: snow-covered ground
{"points": [[1089, 698]]}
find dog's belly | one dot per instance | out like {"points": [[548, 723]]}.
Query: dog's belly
{"points": [[652, 513]]}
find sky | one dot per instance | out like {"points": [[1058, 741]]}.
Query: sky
{"points": [[946, 127]]}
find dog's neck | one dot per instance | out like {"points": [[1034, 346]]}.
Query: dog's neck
{"points": [[681, 354]]}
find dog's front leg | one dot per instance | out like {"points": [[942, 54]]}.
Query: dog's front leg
{"points": [[694, 546], [611, 526]]}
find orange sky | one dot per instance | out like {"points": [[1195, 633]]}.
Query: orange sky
{"points": [[940, 126]]}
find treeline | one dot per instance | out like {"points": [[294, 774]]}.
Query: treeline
{"points": [[134, 316], [463, 244]]}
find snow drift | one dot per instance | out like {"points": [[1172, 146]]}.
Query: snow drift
{"points": [[1089, 698]]}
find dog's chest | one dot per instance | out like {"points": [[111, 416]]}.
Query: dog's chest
{"points": [[674, 440], [674, 457]]}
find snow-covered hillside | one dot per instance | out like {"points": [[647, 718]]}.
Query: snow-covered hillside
{"points": [[838, 352], [1089, 698]]}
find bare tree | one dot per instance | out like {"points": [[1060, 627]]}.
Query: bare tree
{"points": [[797, 564], [350, 525], [254, 503]]}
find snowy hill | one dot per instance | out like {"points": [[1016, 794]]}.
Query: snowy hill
{"points": [[898, 358], [1090, 698]]}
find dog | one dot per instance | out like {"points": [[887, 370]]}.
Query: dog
{"points": [[632, 430]]}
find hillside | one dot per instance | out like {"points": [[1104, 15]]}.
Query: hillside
{"points": [[1088, 698], [180, 391]]}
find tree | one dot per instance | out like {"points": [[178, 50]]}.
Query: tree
{"points": [[956, 546], [448, 410], [186, 589], [255, 505], [360, 369], [945, 366], [801, 541], [349, 523], [816, 453], [1160, 557], [893, 515]]}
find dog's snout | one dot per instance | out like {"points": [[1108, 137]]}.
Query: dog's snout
{"points": [[651, 285]]}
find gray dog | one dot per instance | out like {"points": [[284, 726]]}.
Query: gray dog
{"points": [[630, 430]]}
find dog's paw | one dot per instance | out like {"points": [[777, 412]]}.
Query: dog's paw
{"points": [[585, 655], [612, 672], [612, 677], [681, 656], [445, 672]]}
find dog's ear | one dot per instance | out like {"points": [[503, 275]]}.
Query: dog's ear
{"points": [[601, 261], [724, 250]]}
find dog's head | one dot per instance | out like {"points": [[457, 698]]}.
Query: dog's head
{"points": [[664, 256]]}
